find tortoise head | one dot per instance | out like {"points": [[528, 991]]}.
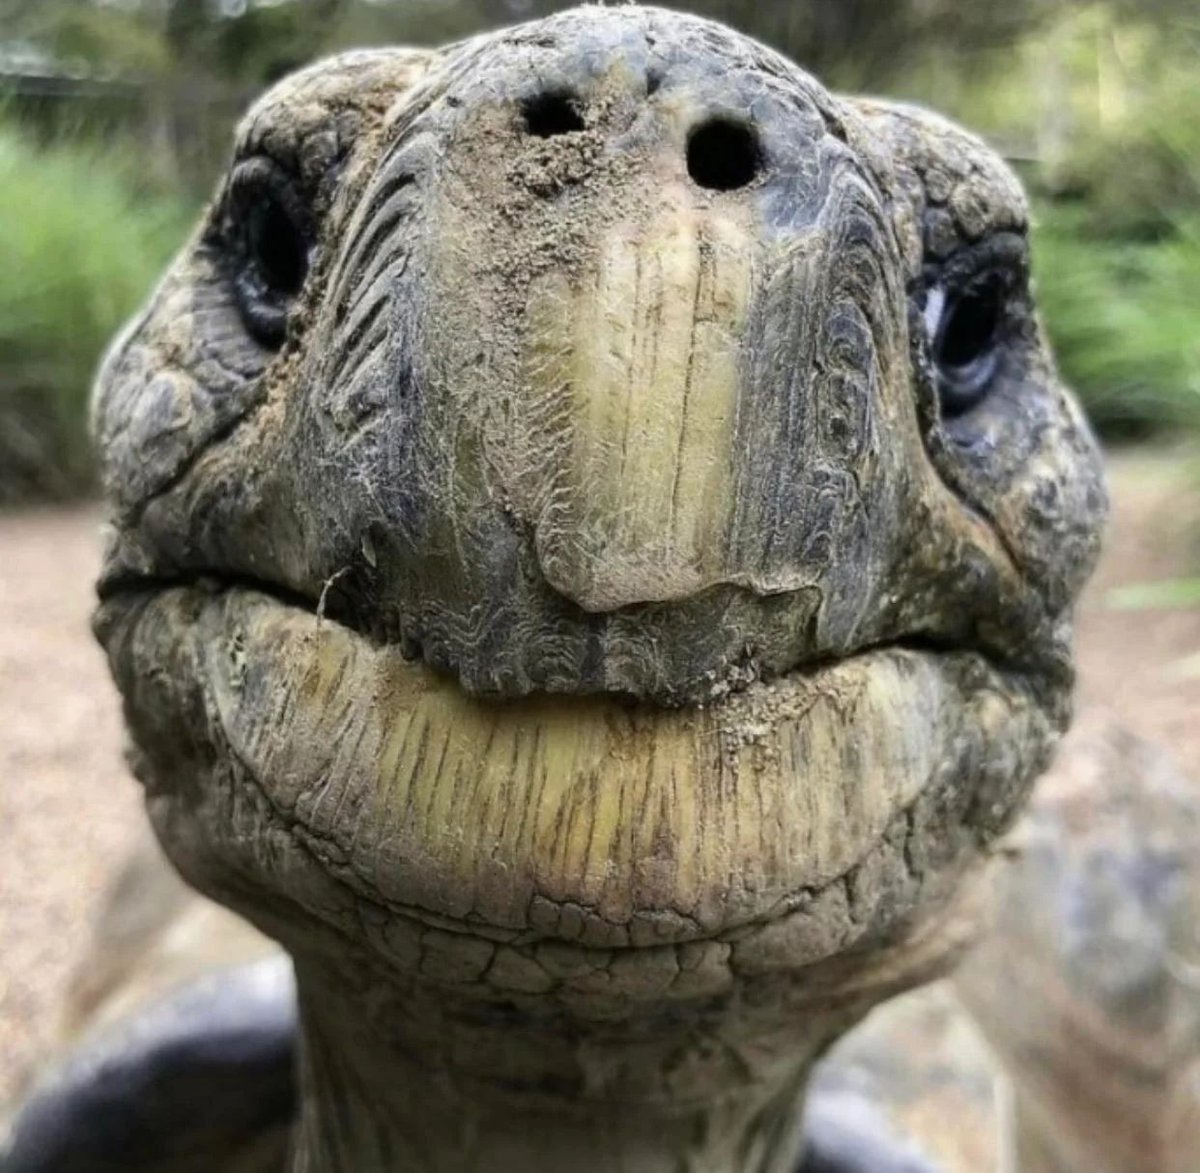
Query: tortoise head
{"points": [[595, 523]]}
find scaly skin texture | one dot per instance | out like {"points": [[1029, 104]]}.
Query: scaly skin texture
{"points": [[588, 589]]}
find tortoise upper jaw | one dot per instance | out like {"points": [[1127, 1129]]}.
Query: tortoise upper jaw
{"points": [[610, 382]]}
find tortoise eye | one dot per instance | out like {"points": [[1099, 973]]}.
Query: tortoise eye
{"points": [[276, 248], [967, 330], [270, 239]]}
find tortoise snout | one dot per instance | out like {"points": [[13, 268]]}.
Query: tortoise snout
{"points": [[624, 316], [640, 209], [722, 149]]}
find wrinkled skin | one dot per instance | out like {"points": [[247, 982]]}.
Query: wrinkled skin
{"points": [[594, 532]]}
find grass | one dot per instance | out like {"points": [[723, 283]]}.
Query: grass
{"points": [[1121, 314], [80, 245]]}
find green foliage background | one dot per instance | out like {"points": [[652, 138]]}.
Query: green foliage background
{"points": [[1095, 102], [79, 246]]}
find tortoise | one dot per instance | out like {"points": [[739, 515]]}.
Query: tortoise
{"points": [[593, 532]]}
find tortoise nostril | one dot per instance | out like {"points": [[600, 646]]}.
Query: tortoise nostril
{"points": [[547, 115], [723, 155]]}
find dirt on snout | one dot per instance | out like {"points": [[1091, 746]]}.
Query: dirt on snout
{"points": [[69, 811]]}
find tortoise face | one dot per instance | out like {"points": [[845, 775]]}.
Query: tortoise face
{"points": [[593, 485]]}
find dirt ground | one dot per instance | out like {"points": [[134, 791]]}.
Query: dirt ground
{"points": [[68, 810], [1144, 665]]}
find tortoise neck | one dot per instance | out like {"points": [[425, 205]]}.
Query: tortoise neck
{"points": [[418, 1084]]}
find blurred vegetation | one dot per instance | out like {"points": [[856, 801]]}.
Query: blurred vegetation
{"points": [[1095, 102], [1123, 317], [79, 246]]}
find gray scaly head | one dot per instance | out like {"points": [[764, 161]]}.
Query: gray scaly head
{"points": [[594, 528]]}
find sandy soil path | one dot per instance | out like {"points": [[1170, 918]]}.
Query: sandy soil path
{"points": [[68, 810]]}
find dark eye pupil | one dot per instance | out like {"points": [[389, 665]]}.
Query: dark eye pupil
{"points": [[971, 329], [276, 247]]}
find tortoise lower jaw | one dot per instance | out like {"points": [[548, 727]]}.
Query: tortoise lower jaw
{"points": [[781, 824]]}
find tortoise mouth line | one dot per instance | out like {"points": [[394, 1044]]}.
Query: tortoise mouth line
{"points": [[117, 588], [585, 820]]}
